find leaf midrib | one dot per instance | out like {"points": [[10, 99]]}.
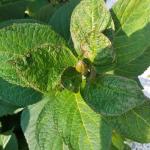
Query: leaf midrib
{"points": [[140, 117], [76, 99]]}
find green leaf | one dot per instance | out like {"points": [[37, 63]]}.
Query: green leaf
{"points": [[30, 55], [132, 24], [88, 17], [136, 67], [71, 79], [112, 95], [17, 96], [60, 21], [134, 124], [29, 123], [131, 12], [80, 127], [15, 10], [46, 12], [65, 117], [98, 48], [13, 97], [19, 9], [89, 20], [12, 21], [47, 134], [8, 142], [4, 2], [34, 6]]}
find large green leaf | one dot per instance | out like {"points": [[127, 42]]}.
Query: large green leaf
{"points": [[89, 19], [136, 67], [134, 124], [8, 142], [60, 21], [67, 116], [18, 96], [32, 54], [46, 131], [80, 127], [29, 122], [132, 23], [112, 95], [131, 15]]}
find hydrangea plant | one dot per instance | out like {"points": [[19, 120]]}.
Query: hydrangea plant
{"points": [[69, 74]]}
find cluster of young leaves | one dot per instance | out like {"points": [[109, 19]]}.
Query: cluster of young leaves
{"points": [[70, 68]]}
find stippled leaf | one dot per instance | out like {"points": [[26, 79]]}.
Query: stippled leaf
{"points": [[87, 18], [65, 117], [31, 56], [80, 127], [89, 21], [98, 48]]}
